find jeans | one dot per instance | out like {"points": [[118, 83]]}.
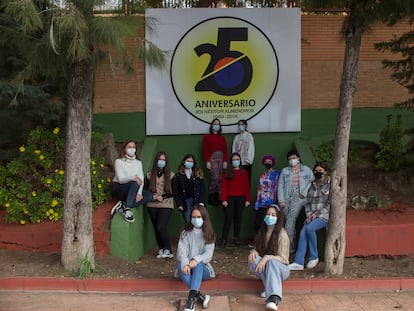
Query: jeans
{"points": [[309, 241], [198, 274], [159, 219], [128, 192], [189, 203], [275, 272]]}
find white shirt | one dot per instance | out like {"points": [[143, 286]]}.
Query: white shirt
{"points": [[243, 143], [127, 170]]}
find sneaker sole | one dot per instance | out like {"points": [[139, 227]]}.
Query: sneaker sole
{"points": [[116, 207], [206, 301]]}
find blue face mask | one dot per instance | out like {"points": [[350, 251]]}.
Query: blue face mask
{"points": [[216, 127], [161, 163], [235, 163], [270, 220], [188, 164], [197, 222]]}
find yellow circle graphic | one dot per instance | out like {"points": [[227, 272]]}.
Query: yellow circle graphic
{"points": [[225, 68]]}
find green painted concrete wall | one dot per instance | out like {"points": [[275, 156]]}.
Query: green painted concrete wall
{"points": [[130, 241]]}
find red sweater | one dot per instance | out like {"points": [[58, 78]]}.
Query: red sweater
{"points": [[214, 142], [238, 186]]}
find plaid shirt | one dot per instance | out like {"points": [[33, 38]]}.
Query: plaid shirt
{"points": [[318, 200]]}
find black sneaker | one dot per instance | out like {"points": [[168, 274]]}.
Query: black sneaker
{"points": [[203, 300], [190, 305], [116, 208], [272, 302], [128, 215]]}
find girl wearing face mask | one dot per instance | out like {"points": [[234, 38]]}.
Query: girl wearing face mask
{"points": [[162, 204], [215, 154], [194, 253], [189, 186], [243, 143], [317, 216], [128, 182], [235, 196], [266, 190], [294, 182], [269, 258]]}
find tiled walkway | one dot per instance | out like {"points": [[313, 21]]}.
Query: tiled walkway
{"points": [[225, 301]]}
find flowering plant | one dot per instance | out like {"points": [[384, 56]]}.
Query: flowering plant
{"points": [[31, 185]]}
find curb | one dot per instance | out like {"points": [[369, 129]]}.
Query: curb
{"points": [[221, 283]]}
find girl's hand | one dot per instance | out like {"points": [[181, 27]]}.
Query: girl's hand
{"points": [[138, 198], [260, 268], [186, 270], [193, 263], [180, 208], [159, 198], [138, 180], [252, 256], [225, 203], [247, 204], [224, 165], [208, 165]]}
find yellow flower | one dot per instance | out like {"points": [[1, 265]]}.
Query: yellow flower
{"points": [[22, 149], [22, 221], [108, 179], [47, 213], [49, 181], [25, 211], [37, 151], [61, 172], [56, 171], [38, 221], [101, 165], [53, 203], [99, 186], [94, 172], [51, 211], [33, 193], [56, 130], [93, 162], [7, 205], [41, 157]]}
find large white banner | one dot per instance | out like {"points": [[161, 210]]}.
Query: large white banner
{"points": [[229, 64]]}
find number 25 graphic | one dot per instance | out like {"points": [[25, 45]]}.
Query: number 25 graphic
{"points": [[229, 72]]}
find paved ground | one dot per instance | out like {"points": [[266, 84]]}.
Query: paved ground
{"points": [[221, 301]]}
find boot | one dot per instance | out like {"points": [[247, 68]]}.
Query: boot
{"points": [[236, 241], [203, 300], [223, 242]]}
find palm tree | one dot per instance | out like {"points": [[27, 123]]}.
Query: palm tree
{"points": [[63, 43]]}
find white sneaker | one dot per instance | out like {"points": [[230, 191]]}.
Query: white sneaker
{"points": [[312, 263], [160, 252], [295, 266], [263, 294], [271, 306], [116, 207], [167, 254], [128, 215]]}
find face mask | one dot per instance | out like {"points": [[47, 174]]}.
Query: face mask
{"points": [[235, 163], [216, 127], [318, 175], [293, 162], [188, 164], [131, 151], [268, 166], [161, 163], [270, 220], [241, 128], [197, 222]]}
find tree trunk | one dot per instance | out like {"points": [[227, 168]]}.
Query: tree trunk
{"points": [[77, 243], [335, 242]]}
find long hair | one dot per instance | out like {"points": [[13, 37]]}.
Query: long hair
{"points": [[166, 171], [122, 153], [272, 246], [211, 127], [230, 168], [209, 235], [197, 171]]}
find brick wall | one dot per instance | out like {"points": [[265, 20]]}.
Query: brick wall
{"points": [[322, 53]]}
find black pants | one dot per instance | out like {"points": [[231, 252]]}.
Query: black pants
{"points": [[259, 219], [233, 213], [248, 169], [160, 218]]}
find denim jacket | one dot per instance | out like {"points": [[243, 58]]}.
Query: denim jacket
{"points": [[285, 182]]}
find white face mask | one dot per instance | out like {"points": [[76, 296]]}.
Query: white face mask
{"points": [[293, 162], [241, 128], [131, 151]]}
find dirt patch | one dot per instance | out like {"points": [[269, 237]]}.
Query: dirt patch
{"points": [[364, 180]]}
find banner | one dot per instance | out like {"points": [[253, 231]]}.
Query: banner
{"points": [[229, 64]]}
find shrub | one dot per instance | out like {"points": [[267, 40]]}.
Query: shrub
{"points": [[31, 185], [390, 154]]}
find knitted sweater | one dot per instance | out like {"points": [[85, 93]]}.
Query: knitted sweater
{"points": [[243, 143], [127, 170], [168, 201], [212, 143], [237, 186]]}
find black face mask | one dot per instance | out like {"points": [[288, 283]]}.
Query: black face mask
{"points": [[268, 166], [318, 175]]}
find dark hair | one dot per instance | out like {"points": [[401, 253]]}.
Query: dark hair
{"points": [[230, 168], [321, 164], [291, 153], [242, 121], [272, 246], [166, 171], [122, 152], [211, 127], [197, 171], [209, 235]]}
